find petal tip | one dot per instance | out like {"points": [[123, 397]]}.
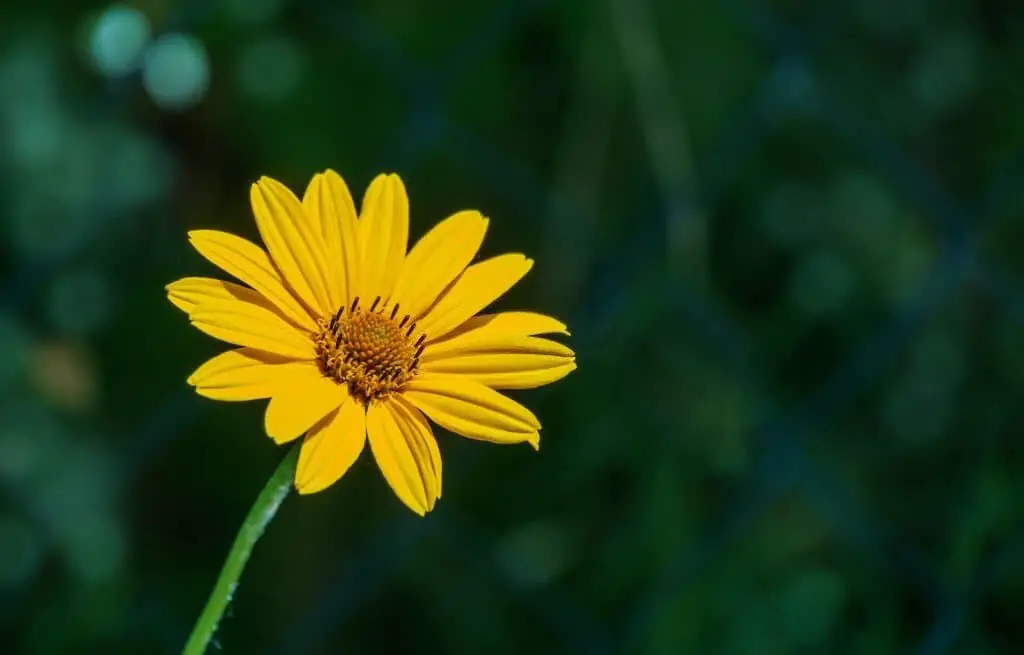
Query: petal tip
{"points": [[282, 439], [310, 485], [270, 427], [266, 186], [179, 302], [209, 393]]}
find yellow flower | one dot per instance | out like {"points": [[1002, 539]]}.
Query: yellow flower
{"points": [[354, 339]]}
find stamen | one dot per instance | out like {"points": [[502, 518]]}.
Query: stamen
{"points": [[368, 351], [334, 319]]}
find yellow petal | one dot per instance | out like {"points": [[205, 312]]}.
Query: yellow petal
{"points": [[250, 264], [472, 410], [405, 450], [437, 259], [253, 326], [331, 447], [487, 342], [500, 362], [188, 292], [301, 399], [509, 323], [243, 374], [478, 286], [520, 376], [412, 421], [294, 245], [383, 235], [329, 205]]}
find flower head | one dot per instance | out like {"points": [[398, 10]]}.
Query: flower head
{"points": [[353, 339]]}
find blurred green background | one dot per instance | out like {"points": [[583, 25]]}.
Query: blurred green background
{"points": [[786, 238]]}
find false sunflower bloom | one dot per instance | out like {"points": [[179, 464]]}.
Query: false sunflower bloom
{"points": [[353, 339]]}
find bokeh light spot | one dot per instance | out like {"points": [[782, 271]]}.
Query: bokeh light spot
{"points": [[118, 39], [176, 72], [66, 376]]}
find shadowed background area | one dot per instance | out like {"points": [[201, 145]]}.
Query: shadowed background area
{"points": [[784, 234]]}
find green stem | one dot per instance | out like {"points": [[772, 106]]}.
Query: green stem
{"points": [[263, 510]]}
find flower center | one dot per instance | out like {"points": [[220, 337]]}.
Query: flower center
{"points": [[370, 350]]}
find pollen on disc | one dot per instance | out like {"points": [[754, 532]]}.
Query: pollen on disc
{"points": [[372, 350]]}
